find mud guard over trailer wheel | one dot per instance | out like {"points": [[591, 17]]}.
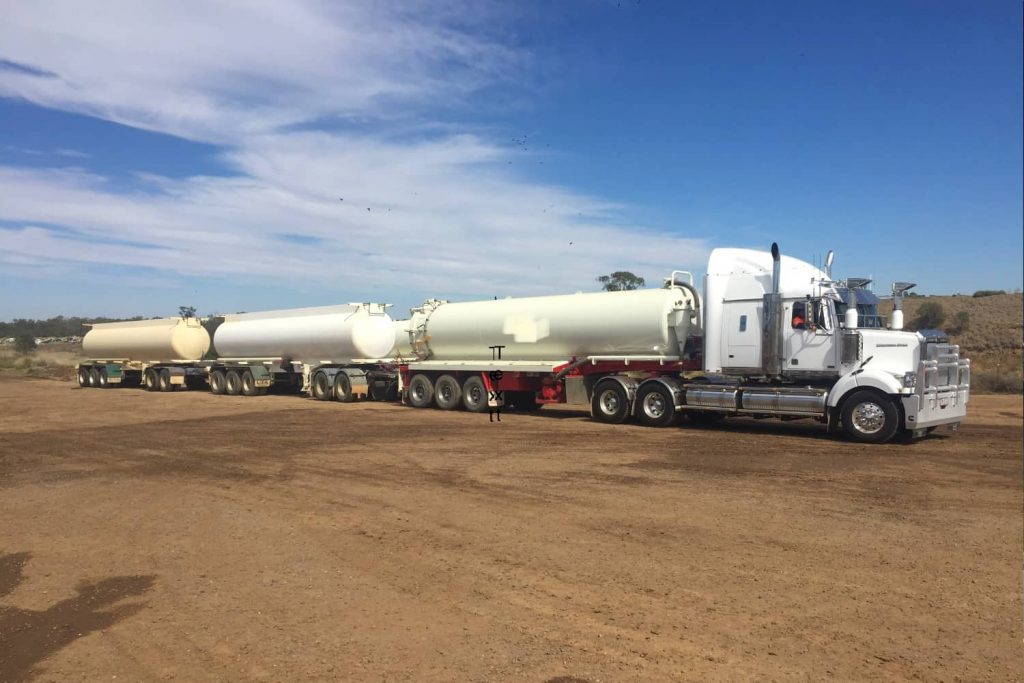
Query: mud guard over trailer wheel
{"points": [[869, 417]]}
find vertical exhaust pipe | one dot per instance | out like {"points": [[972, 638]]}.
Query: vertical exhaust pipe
{"points": [[771, 335]]}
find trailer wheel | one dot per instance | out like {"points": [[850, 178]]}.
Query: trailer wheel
{"points": [[218, 383], [232, 383], [869, 417], [165, 380], [83, 377], [610, 402], [102, 381], [343, 388], [321, 387], [447, 393], [249, 384], [656, 405], [421, 391], [474, 395], [94, 377]]}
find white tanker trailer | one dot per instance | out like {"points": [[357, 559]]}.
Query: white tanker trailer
{"points": [[123, 352], [770, 337]]}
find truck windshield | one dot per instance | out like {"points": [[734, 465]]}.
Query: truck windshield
{"points": [[867, 306]]}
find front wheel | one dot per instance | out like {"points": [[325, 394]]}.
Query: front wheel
{"points": [[656, 405], [869, 417], [610, 403]]}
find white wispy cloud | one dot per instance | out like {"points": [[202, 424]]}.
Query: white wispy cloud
{"points": [[443, 212]]}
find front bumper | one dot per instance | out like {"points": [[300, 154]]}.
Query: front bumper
{"points": [[935, 408]]}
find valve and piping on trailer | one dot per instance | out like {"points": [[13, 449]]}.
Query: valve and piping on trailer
{"points": [[328, 352], [765, 340]]}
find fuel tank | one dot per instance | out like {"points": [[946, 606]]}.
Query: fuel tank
{"points": [[335, 333], [644, 322], [163, 339]]}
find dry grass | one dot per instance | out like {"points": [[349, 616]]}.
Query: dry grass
{"points": [[56, 361]]}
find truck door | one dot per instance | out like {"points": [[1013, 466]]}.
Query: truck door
{"points": [[809, 338], [742, 338]]}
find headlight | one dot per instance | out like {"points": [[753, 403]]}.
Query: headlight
{"points": [[910, 380]]}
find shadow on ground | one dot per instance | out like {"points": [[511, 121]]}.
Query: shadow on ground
{"points": [[27, 637]]}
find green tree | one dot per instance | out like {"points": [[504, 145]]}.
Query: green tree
{"points": [[961, 321], [24, 343], [187, 311], [930, 316], [621, 280]]}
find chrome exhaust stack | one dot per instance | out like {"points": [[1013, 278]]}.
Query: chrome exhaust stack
{"points": [[771, 335]]}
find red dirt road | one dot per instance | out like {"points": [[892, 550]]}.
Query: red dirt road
{"points": [[194, 537]]}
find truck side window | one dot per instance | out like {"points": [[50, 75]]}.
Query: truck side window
{"points": [[743, 323], [799, 315]]}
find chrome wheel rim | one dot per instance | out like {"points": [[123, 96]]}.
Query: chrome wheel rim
{"points": [[654, 405], [610, 402], [868, 418]]}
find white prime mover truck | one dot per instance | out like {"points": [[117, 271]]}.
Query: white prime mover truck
{"points": [[769, 337]]}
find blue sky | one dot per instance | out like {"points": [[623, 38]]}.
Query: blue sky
{"points": [[245, 155]]}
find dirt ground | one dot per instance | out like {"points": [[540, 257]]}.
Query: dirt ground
{"points": [[193, 537]]}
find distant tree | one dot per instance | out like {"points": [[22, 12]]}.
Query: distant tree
{"points": [[988, 292], [187, 311], [24, 343], [930, 316], [620, 280], [961, 321]]}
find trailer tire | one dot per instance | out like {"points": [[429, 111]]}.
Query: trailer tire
{"points": [[869, 417], [447, 393], [83, 377], [249, 384], [94, 377], [610, 402], [232, 383], [421, 391], [102, 381], [218, 382], [655, 405], [321, 387], [164, 379], [474, 395], [343, 388]]}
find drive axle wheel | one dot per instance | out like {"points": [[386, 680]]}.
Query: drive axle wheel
{"points": [[869, 417], [447, 393], [610, 403], [656, 405], [421, 391]]}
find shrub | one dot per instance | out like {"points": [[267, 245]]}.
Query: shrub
{"points": [[996, 382], [930, 315], [988, 292], [961, 322], [24, 343]]}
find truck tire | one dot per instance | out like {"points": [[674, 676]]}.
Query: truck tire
{"points": [[322, 387], [249, 384], [869, 417], [83, 377], [421, 391], [474, 395], [232, 383], [447, 393], [343, 388], [655, 405], [218, 383], [610, 402], [102, 381], [94, 377], [165, 380], [149, 381]]}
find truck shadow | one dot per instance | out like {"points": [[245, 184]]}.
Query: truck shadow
{"points": [[27, 637]]}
